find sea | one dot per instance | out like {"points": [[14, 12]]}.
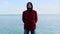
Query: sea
{"points": [[46, 24]]}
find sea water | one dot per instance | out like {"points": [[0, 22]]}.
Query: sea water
{"points": [[46, 24]]}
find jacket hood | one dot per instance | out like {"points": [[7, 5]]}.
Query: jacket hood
{"points": [[31, 5]]}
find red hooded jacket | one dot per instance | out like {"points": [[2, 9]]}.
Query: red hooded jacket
{"points": [[29, 19]]}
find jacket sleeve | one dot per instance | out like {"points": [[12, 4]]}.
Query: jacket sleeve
{"points": [[36, 18], [23, 19]]}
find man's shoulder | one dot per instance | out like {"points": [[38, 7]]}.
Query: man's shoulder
{"points": [[34, 11], [24, 11]]}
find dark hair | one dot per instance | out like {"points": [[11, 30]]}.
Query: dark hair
{"points": [[31, 5]]}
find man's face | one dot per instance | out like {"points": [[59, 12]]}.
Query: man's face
{"points": [[29, 5]]}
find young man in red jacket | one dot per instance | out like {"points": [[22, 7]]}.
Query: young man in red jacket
{"points": [[29, 18]]}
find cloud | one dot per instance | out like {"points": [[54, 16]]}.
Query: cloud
{"points": [[10, 10], [4, 2], [47, 9], [41, 9]]}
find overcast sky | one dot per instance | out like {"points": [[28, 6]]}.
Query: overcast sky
{"points": [[18, 6]]}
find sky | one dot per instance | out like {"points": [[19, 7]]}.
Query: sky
{"points": [[18, 6]]}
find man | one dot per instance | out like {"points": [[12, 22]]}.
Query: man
{"points": [[29, 18]]}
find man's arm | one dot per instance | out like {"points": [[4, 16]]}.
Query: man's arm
{"points": [[23, 19], [36, 17]]}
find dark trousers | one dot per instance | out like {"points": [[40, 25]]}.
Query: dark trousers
{"points": [[27, 31]]}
